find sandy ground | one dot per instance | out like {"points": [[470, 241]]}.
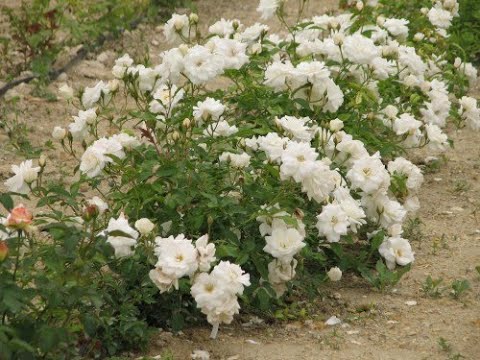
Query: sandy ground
{"points": [[375, 325]]}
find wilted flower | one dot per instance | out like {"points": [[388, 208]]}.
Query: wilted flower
{"points": [[163, 282], [334, 274], [65, 91], [279, 273]]}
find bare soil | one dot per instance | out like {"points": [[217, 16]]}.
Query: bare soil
{"points": [[375, 325]]}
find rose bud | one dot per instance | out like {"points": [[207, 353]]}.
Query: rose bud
{"points": [[144, 226], [3, 250], [90, 211]]}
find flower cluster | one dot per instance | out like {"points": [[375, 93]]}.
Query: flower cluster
{"points": [[216, 292]]}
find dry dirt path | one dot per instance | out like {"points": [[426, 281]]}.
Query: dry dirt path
{"points": [[376, 325]]}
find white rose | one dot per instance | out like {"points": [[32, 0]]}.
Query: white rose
{"points": [[419, 36], [391, 111], [144, 226], [92, 162], [336, 125]]}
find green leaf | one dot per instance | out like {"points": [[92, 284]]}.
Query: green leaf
{"points": [[18, 344], [7, 202], [51, 338], [376, 241], [89, 325], [12, 299], [226, 250], [264, 298], [177, 322]]}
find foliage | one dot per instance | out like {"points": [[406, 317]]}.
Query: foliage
{"points": [[40, 29], [431, 287], [459, 287], [466, 31]]}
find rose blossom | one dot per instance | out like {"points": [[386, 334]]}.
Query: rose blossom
{"points": [[19, 218]]}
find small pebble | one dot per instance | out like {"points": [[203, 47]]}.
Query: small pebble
{"points": [[62, 77], [200, 355]]}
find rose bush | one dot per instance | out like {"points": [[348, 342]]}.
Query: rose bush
{"points": [[199, 195]]}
